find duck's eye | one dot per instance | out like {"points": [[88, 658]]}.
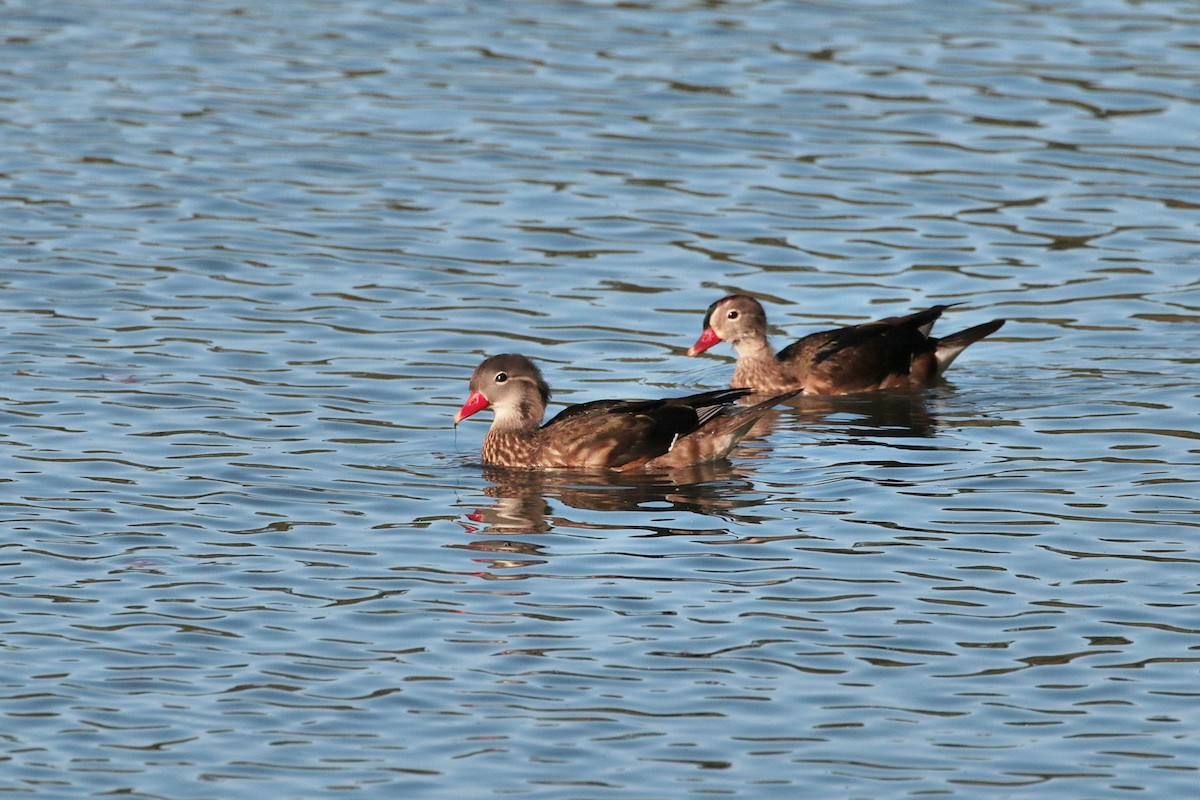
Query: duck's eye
{"points": [[733, 314], [501, 377]]}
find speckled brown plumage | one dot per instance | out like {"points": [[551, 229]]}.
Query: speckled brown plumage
{"points": [[893, 353], [604, 434]]}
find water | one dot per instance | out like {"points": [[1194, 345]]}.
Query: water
{"points": [[252, 253]]}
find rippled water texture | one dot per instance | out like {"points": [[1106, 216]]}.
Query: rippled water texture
{"points": [[251, 253]]}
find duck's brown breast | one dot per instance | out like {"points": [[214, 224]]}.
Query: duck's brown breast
{"points": [[512, 448]]}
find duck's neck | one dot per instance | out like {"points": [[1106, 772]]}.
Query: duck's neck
{"points": [[758, 366], [755, 348], [756, 357]]}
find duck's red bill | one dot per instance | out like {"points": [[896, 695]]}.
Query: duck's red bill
{"points": [[475, 403], [706, 340]]}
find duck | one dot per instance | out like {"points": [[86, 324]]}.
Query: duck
{"points": [[618, 435], [894, 353]]}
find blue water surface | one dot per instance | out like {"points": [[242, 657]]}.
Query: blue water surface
{"points": [[252, 253]]}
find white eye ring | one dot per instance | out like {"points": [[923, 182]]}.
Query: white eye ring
{"points": [[501, 377], [732, 314]]}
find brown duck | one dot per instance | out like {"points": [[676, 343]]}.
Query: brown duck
{"points": [[603, 434], [892, 353]]}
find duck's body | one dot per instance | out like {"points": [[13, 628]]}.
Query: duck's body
{"points": [[892, 353], [604, 434]]}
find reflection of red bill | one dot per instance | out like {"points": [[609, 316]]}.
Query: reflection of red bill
{"points": [[475, 403], [476, 516], [706, 340]]}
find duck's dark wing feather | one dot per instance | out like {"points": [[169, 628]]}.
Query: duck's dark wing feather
{"points": [[616, 432]]}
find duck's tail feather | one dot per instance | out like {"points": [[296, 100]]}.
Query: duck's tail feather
{"points": [[949, 347]]}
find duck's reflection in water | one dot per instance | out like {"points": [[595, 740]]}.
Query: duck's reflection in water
{"points": [[525, 499], [890, 415]]}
